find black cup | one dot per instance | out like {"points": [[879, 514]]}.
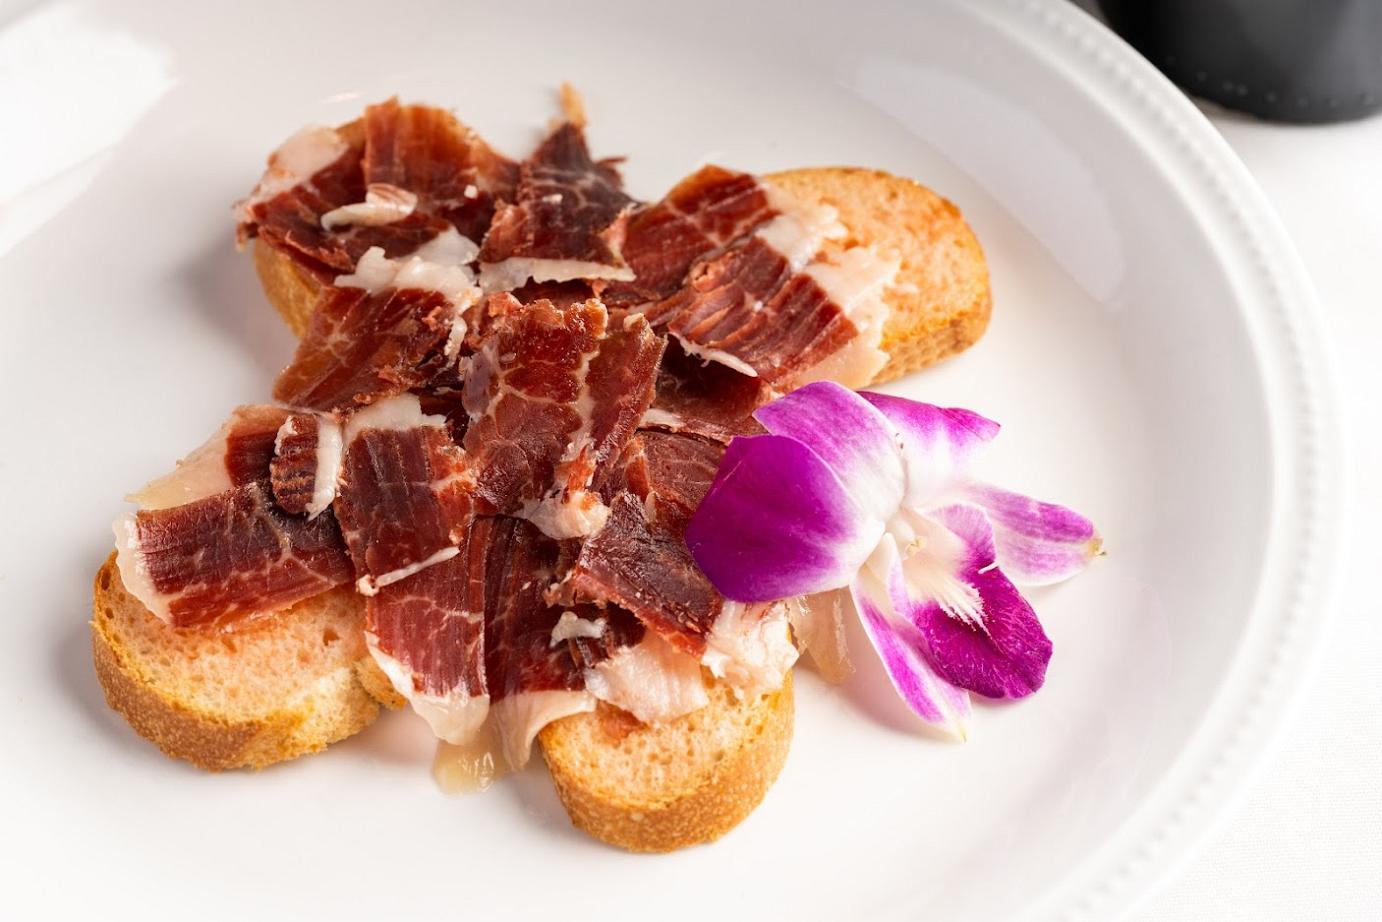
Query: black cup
{"points": [[1285, 60]]}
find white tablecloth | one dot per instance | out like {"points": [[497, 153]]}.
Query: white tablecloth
{"points": [[1305, 840]]}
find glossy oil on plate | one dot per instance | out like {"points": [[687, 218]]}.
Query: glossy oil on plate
{"points": [[1152, 358]]}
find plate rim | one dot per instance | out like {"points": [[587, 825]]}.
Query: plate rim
{"points": [[1216, 767]]}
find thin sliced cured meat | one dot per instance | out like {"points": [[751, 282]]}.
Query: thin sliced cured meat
{"points": [[704, 398], [474, 645], [363, 346], [227, 556], [704, 212], [383, 204], [639, 561], [750, 309], [455, 175], [394, 180], [566, 222], [427, 633], [306, 463], [319, 172], [673, 471], [746, 275], [554, 394], [531, 680], [643, 565], [404, 495], [239, 453]]}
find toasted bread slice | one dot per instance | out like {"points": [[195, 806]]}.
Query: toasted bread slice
{"points": [[939, 304], [291, 290], [656, 788], [289, 684]]}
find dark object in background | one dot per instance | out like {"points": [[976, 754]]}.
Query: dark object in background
{"points": [[1286, 60]]}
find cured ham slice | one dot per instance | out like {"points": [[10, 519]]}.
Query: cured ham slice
{"points": [[672, 472], [469, 641], [704, 398], [567, 221], [644, 566], [749, 310], [239, 453], [427, 634], [639, 561], [743, 274], [226, 556], [306, 464], [531, 681], [319, 172], [394, 181], [404, 496], [704, 212], [432, 154], [364, 346], [554, 394], [390, 326]]}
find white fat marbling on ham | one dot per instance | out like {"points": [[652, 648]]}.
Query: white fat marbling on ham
{"points": [[441, 265], [658, 418], [455, 717], [370, 585], [514, 272], [855, 279], [329, 452], [202, 473], [399, 413], [799, 229], [134, 572], [300, 157], [383, 204], [707, 354], [518, 718], [652, 680], [564, 515], [571, 625], [750, 647], [207, 470]]}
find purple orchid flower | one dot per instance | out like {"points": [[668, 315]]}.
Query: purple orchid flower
{"points": [[870, 492]]}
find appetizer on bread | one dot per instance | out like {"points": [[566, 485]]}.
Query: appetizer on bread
{"points": [[493, 481]]}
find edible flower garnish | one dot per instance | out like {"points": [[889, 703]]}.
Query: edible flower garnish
{"points": [[870, 492]]}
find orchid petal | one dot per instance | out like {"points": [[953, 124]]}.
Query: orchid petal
{"points": [[1002, 654], [902, 649], [938, 443], [777, 523], [845, 431], [1037, 543]]}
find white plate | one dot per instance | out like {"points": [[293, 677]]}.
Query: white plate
{"points": [[1153, 358]]}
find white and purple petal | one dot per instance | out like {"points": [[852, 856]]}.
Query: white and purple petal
{"points": [[1036, 543], [844, 430], [1004, 652], [902, 649], [938, 443], [777, 522]]}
